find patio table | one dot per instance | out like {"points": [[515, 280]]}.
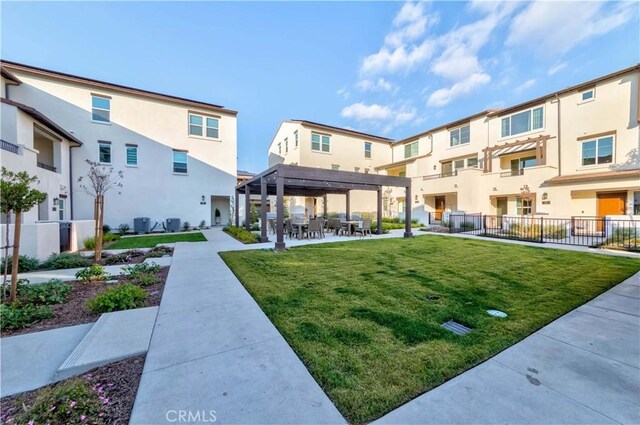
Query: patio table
{"points": [[352, 225], [300, 227]]}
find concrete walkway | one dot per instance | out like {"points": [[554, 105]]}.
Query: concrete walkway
{"points": [[213, 349], [582, 368]]}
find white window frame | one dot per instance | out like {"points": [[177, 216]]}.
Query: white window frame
{"points": [[597, 140], [335, 167], [591, 99], [295, 137], [410, 145], [280, 148], [473, 166], [108, 98], [531, 129], [126, 155], [106, 144], [368, 153], [204, 126], [173, 162], [322, 142], [521, 207], [61, 208], [458, 130], [286, 145]]}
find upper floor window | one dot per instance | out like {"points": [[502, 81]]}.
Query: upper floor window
{"points": [[460, 136], [472, 162], [180, 162], [132, 155], [320, 142], [597, 151], [203, 126], [100, 108], [367, 149], [402, 174], [517, 165], [286, 145], [104, 152], [587, 95], [522, 122], [411, 149], [279, 148], [356, 169], [295, 138], [335, 167]]}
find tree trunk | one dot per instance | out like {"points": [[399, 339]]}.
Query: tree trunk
{"points": [[100, 228], [6, 250], [16, 257]]}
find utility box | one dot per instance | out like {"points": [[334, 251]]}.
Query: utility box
{"points": [[173, 225], [141, 225]]}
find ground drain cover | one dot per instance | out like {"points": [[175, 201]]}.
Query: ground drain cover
{"points": [[497, 313], [456, 327]]}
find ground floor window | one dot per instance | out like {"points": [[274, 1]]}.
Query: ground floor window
{"points": [[180, 162], [636, 203], [61, 209], [104, 150], [524, 206], [401, 206]]}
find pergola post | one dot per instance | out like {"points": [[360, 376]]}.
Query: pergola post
{"points": [[247, 207], [407, 212], [236, 208], [324, 206], [279, 214], [348, 206], [263, 210], [379, 212]]}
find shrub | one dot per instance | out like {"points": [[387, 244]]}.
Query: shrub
{"points": [[91, 273], [89, 243], [554, 231], [185, 226], [110, 237], [25, 264], [53, 292], [374, 227], [123, 228], [154, 254], [159, 251], [624, 238], [134, 270], [241, 234], [106, 228], [19, 315], [255, 227], [65, 260], [203, 224], [117, 259], [124, 296], [465, 226], [69, 402]]}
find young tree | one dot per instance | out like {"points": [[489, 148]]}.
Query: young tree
{"points": [[99, 180], [17, 196]]}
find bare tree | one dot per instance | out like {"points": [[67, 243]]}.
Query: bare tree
{"points": [[99, 180], [389, 201]]}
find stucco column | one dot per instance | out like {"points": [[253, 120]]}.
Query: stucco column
{"points": [[279, 214], [263, 210], [247, 207], [348, 206], [407, 212], [237, 208], [379, 211]]}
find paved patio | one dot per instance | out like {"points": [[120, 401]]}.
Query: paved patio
{"points": [[214, 349]]}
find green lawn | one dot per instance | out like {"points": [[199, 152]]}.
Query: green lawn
{"points": [[365, 316], [153, 240]]}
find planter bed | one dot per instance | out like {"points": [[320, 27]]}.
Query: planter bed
{"points": [[117, 384], [75, 311]]}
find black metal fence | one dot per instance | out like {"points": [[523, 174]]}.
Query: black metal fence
{"points": [[584, 231]]}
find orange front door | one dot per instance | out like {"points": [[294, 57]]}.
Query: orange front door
{"points": [[611, 204], [439, 207]]}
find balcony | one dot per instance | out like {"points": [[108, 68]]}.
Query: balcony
{"points": [[9, 147], [441, 175], [47, 166], [512, 173]]}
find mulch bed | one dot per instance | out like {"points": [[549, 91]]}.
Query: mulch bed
{"points": [[119, 381], [75, 310]]}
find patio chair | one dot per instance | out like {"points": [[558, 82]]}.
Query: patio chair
{"points": [[364, 228], [314, 228], [289, 228], [272, 225], [345, 229]]}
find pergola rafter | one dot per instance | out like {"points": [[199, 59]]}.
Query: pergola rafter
{"points": [[292, 180]]}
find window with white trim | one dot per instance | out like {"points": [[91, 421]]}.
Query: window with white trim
{"points": [[100, 108], [295, 138], [320, 142], [104, 152], [180, 162], [411, 149], [587, 95], [460, 136], [204, 126], [279, 148], [472, 162], [367, 149], [335, 167], [597, 151], [286, 145], [132, 155], [522, 122], [524, 206]]}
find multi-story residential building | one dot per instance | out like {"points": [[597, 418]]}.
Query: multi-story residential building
{"points": [[178, 156], [573, 152], [311, 144]]}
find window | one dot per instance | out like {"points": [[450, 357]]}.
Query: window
{"points": [[517, 165], [320, 143], [636, 203], [524, 206], [104, 152], [132, 155], [286, 145], [587, 95], [411, 149], [459, 136], [367, 149], [472, 162], [279, 148], [180, 162], [401, 206], [458, 164], [61, 209], [402, 174], [335, 167], [200, 125], [356, 169], [100, 108], [295, 138], [598, 151], [522, 122]]}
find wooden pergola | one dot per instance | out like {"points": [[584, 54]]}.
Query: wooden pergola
{"points": [[539, 144], [292, 180]]}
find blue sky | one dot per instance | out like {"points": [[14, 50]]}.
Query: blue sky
{"points": [[389, 68]]}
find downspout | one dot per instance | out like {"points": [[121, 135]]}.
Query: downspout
{"points": [[559, 138], [71, 181]]}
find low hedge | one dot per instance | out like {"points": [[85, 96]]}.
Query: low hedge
{"points": [[241, 234]]}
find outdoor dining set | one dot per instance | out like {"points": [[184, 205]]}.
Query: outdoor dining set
{"points": [[318, 227]]}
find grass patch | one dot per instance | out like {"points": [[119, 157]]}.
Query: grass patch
{"points": [[153, 240], [365, 316]]}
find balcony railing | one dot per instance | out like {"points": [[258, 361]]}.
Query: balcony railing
{"points": [[10, 147], [47, 166], [512, 173], [441, 175]]}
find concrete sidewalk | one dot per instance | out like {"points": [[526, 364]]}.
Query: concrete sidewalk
{"points": [[213, 349], [582, 368]]}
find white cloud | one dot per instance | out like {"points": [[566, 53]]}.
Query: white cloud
{"points": [[375, 85], [362, 112], [554, 28], [381, 117], [526, 85], [556, 68], [444, 96], [343, 93]]}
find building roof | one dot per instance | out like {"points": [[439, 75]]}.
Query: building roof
{"points": [[602, 175], [9, 76], [14, 66], [342, 130], [447, 125], [44, 120], [244, 173]]}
